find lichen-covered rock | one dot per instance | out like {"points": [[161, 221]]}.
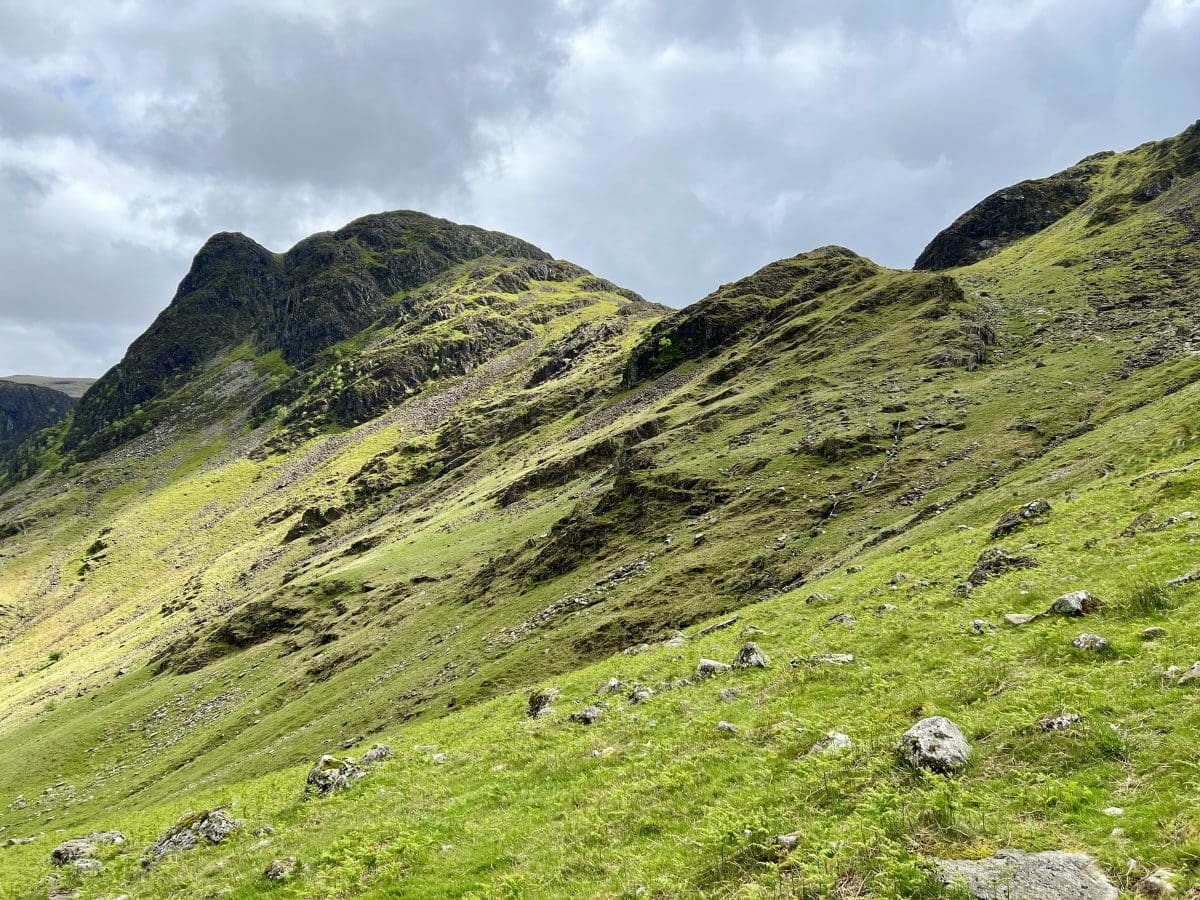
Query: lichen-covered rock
{"points": [[1091, 643], [1059, 723], [281, 868], [751, 656], [540, 702], [937, 744], [1017, 875], [709, 667], [992, 562], [72, 850], [1018, 518], [833, 742], [332, 774], [1018, 619], [1076, 603], [589, 715], [211, 825], [378, 753]]}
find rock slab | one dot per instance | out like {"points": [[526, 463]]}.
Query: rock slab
{"points": [[1017, 875]]}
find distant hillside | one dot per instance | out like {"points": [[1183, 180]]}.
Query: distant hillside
{"points": [[419, 484], [26, 409], [72, 387]]}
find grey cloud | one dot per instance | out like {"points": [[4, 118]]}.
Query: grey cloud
{"points": [[669, 146]]}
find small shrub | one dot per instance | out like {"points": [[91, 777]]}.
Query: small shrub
{"points": [[56, 655]]}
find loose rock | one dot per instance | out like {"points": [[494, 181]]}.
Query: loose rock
{"points": [[331, 775], [1011, 521], [1018, 619], [1017, 875], [378, 753], [709, 667], [1059, 723], [1092, 643], [833, 742], [1153, 633], [586, 716], [751, 656], [937, 744], [727, 727], [1076, 603], [728, 695], [211, 825], [540, 702], [279, 869]]}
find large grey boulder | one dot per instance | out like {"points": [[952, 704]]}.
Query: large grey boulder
{"points": [[937, 744], [211, 825], [1076, 603], [1017, 875]]}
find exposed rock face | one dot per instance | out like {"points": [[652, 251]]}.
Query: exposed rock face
{"points": [[992, 562], [212, 826], [26, 409], [1007, 216], [937, 744], [1017, 875], [327, 288]]}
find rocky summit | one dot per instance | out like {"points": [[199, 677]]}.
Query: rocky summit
{"points": [[414, 561]]}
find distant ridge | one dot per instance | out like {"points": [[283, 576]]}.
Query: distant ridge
{"points": [[72, 387]]}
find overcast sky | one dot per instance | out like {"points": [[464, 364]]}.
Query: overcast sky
{"points": [[670, 146]]}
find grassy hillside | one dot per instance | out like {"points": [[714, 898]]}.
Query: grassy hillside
{"points": [[518, 471]]}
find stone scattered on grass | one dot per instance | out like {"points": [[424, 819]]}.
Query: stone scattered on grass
{"points": [[728, 695], [211, 825], [1076, 603], [843, 618], [378, 753], [586, 716], [676, 640], [717, 626], [1153, 633], [1184, 579], [1091, 643], [332, 774], [728, 727], [80, 848], [833, 742], [1031, 513], [818, 598], [992, 562], [751, 656], [1191, 676], [786, 842], [1018, 619], [1157, 883], [279, 869], [1013, 874], [640, 693], [540, 702], [982, 626], [709, 667], [937, 744], [834, 659], [884, 608], [1059, 723]]}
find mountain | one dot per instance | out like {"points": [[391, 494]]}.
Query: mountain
{"points": [[411, 481], [72, 387], [26, 409]]}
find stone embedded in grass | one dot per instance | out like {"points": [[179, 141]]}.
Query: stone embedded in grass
{"points": [[88, 866], [586, 716], [992, 562], [899, 578], [842, 618], [937, 744], [1015, 519], [1184, 579], [281, 868], [1191, 676], [717, 626], [833, 742], [1157, 883], [211, 825], [676, 640], [1076, 603], [83, 847], [727, 727], [728, 695], [786, 842], [1059, 723], [612, 686], [818, 598], [834, 659], [332, 774], [640, 693], [1012, 874], [982, 626], [751, 656], [1018, 619], [709, 667], [378, 753], [1092, 643], [884, 608], [540, 702], [1153, 633]]}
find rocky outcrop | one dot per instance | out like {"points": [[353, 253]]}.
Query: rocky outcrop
{"points": [[936, 744], [211, 826], [26, 409]]}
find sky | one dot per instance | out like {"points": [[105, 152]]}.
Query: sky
{"points": [[668, 146]]}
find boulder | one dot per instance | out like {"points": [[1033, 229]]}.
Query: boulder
{"points": [[937, 744], [709, 667], [992, 562], [378, 753], [1076, 603], [71, 851], [1153, 633], [1015, 519], [281, 868], [332, 774], [211, 825], [1017, 875], [751, 656], [586, 716], [1091, 643], [540, 702]]}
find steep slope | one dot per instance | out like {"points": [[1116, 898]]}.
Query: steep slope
{"points": [[26, 409], [515, 470]]}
